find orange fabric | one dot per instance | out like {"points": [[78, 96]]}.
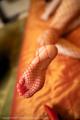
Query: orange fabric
{"points": [[62, 84]]}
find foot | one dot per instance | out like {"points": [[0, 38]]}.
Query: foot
{"points": [[33, 78]]}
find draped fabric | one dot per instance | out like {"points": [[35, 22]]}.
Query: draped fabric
{"points": [[62, 81]]}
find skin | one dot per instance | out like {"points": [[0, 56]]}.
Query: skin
{"points": [[33, 77]]}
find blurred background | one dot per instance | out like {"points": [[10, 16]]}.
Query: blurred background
{"points": [[13, 14]]}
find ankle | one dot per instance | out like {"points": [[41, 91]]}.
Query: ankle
{"points": [[50, 36], [53, 35]]}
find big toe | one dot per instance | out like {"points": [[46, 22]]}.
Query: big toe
{"points": [[21, 87]]}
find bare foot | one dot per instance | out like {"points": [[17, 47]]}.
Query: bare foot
{"points": [[33, 78]]}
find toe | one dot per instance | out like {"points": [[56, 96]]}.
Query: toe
{"points": [[20, 94], [22, 81], [21, 87], [19, 90], [35, 87], [24, 90]]}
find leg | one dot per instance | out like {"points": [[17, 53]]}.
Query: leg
{"points": [[54, 5], [67, 11], [33, 76], [50, 8]]}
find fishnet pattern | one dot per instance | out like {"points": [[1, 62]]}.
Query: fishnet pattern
{"points": [[33, 76]]}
